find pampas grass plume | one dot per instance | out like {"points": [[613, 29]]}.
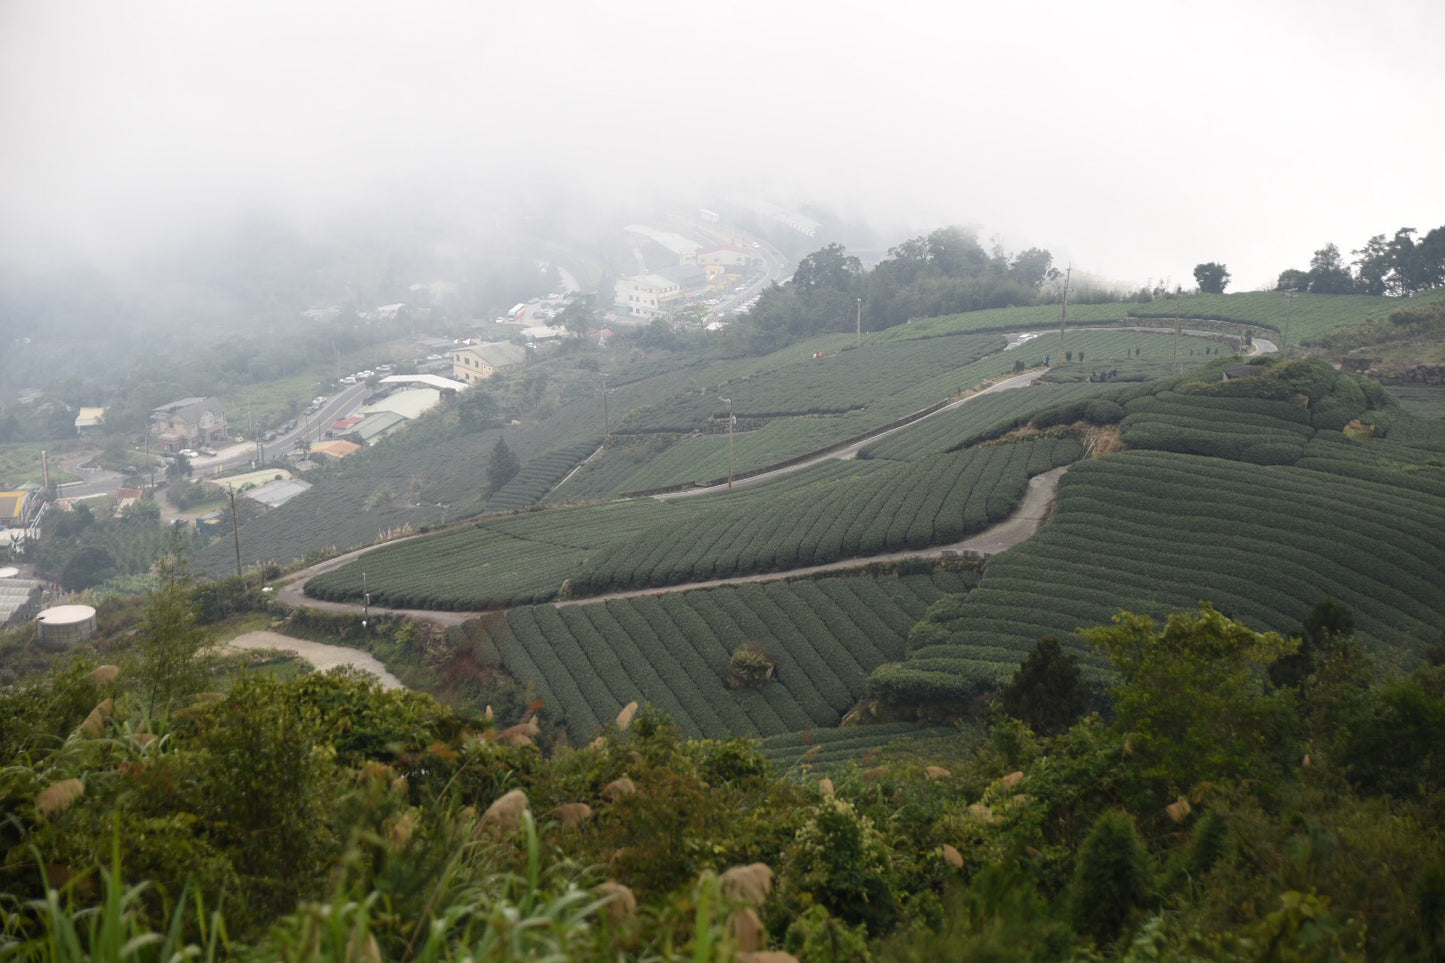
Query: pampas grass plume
{"points": [[623, 905], [624, 718], [572, 814], [58, 796], [507, 811], [751, 883], [618, 788]]}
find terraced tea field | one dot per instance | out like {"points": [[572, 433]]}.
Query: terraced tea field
{"points": [[875, 508], [587, 661]]}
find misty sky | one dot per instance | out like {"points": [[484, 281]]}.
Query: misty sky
{"points": [[1132, 139]]}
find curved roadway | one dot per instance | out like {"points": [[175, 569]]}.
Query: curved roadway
{"points": [[1026, 519]]}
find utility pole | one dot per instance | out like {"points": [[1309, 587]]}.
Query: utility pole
{"points": [[365, 602], [606, 423], [731, 421], [235, 531], [1289, 309], [1064, 314], [860, 323], [1178, 314]]}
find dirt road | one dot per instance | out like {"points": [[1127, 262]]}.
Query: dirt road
{"points": [[319, 654]]}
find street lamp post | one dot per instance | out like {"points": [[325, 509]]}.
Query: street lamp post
{"points": [[365, 602], [731, 421]]}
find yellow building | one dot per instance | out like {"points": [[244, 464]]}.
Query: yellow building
{"points": [[478, 362]]}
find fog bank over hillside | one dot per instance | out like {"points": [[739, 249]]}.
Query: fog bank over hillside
{"points": [[1130, 139]]}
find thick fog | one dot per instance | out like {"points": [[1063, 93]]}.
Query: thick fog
{"points": [[1134, 140]]}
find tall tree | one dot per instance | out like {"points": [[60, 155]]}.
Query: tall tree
{"points": [[578, 316], [1047, 691], [1212, 277], [831, 267], [171, 643], [1328, 273], [503, 466]]}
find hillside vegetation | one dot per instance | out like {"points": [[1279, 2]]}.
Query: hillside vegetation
{"points": [[1247, 797]]}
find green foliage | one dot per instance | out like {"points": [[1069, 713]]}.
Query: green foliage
{"points": [[171, 660], [503, 466], [817, 937], [1392, 743], [1211, 277], [839, 860], [1048, 691], [1112, 881], [266, 795], [1192, 697]]}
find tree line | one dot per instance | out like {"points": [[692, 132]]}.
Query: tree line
{"points": [[1395, 266], [944, 272]]}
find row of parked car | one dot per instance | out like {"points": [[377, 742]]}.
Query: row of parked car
{"points": [[362, 375]]}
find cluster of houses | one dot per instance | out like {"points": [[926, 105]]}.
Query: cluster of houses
{"points": [[700, 272]]}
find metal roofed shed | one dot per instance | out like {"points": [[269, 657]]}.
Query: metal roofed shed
{"points": [[409, 403], [19, 599], [64, 626], [277, 493]]}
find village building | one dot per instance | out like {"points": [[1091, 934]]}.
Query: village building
{"points": [[88, 422], [189, 423], [478, 362]]}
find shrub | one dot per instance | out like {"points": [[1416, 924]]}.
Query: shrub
{"points": [[751, 667], [1111, 878]]}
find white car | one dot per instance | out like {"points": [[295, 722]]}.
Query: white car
{"points": [[189, 453], [349, 380]]}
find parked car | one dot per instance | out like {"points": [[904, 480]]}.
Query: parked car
{"points": [[349, 380], [208, 451], [189, 453]]}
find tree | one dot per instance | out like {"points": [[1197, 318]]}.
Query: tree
{"points": [[1047, 691], [1212, 277], [503, 466], [478, 409], [1292, 279], [1192, 699], [1111, 878], [1033, 267], [831, 267], [1328, 622], [1373, 264], [88, 567], [577, 317], [170, 642], [1328, 273], [179, 467]]}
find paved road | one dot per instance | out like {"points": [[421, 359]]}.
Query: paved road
{"points": [[319, 654], [1031, 513], [1017, 381], [293, 594]]}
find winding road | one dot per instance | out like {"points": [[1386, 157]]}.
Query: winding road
{"points": [[319, 654], [1031, 513]]}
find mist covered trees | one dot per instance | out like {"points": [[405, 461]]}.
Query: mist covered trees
{"points": [[1397, 266], [943, 272], [1211, 277]]}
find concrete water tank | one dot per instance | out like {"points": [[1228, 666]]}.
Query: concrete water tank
{"points": [[62, 626]]}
